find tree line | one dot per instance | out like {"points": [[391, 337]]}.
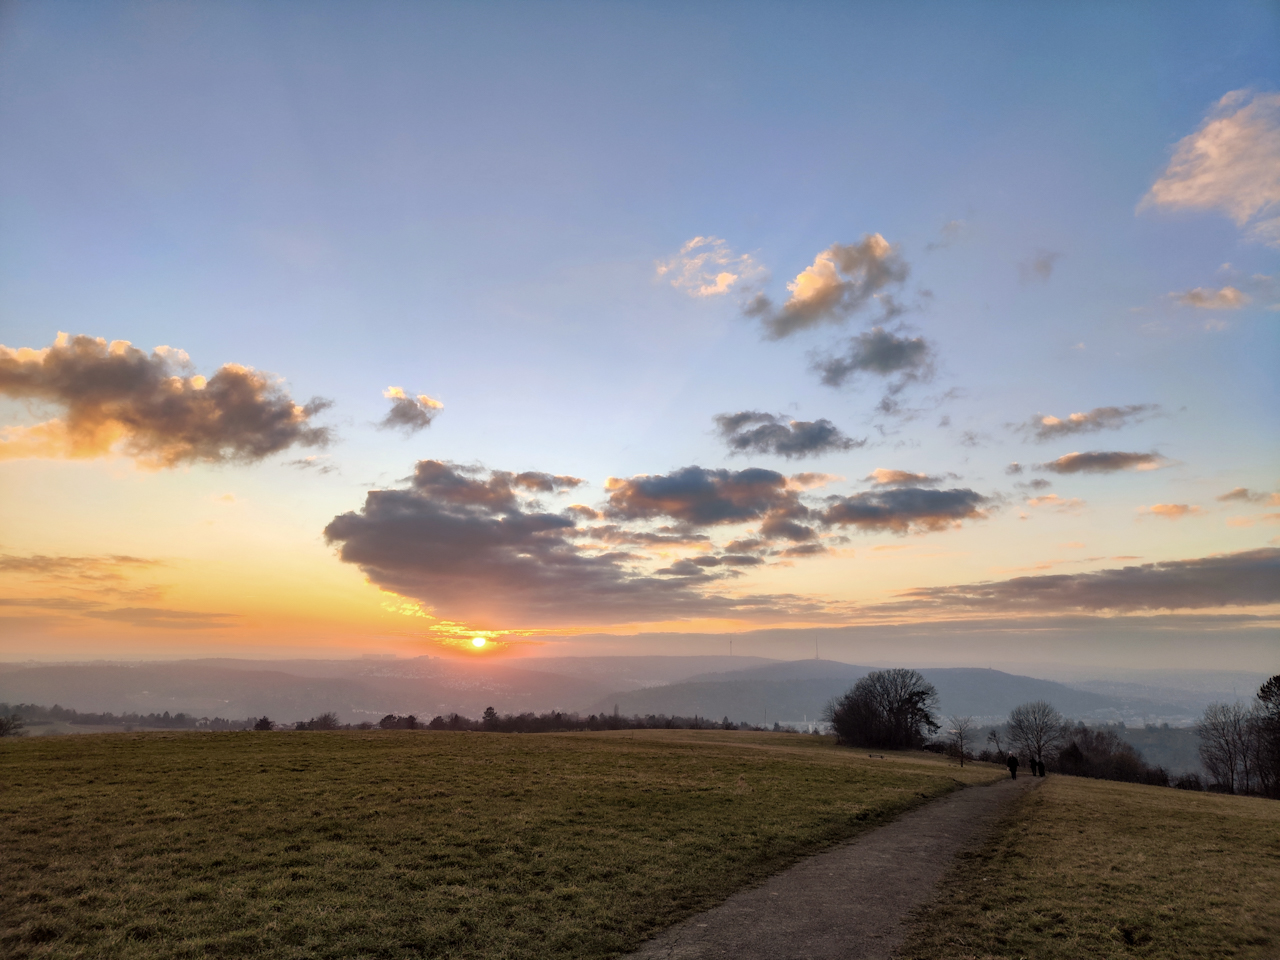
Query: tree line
{"points": [[15, 718], [896, 710]]}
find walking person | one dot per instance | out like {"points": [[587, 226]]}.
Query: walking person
{"points": [[1013, 766]]}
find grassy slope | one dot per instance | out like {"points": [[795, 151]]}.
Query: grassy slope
{"points": [[1087, 868], [402, 844]]}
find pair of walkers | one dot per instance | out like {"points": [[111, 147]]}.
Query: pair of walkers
{"points": [[1037, 767]]}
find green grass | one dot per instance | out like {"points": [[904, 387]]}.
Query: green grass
{"points": [[1087, 868], [400, 844]]}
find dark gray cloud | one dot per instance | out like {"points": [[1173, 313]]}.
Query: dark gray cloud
{"points": [[150, 405], [1251, 578], [842, 280], [1245, 495], [700, 497], [1045, 427], [408, 412], [883, 354], [755, 432], [1039, 267], [904, 509], [474, 546], [1013, 469], [1103, 461]]}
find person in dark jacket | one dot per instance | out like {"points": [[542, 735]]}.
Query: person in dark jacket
{"points": [[1013, 766], [1040, 764]]}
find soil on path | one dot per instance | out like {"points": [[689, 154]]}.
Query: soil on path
{"points": [[849, 902]]}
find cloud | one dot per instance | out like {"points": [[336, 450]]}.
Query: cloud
{"points": [[706, 267], [754, 432], [902, 478], [475, 547], [1245, 495], [1013, 469], [111, 567], [149, 405], [1251, 578], [951, 231], [316, 463], [881, 353], [905, 509], [162, 618], [1052, 500], [1232, 164], [1206, 298], [841, 281], [1039, 267], [700, 497], [1047, 427], [1103, 461], [1171, 511], [407, 413]]}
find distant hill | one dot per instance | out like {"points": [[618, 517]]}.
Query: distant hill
{"points": [[295, 690], [749, 689], [796, 689]]}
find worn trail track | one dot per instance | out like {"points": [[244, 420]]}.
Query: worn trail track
{"points": [[849, 902]]}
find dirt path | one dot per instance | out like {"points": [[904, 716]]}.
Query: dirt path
{"points": [[848, 902]]}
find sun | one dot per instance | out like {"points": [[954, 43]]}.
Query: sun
{"points": [[478, 642]]}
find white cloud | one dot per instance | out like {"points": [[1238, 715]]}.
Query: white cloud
{"points": [[1232, 163], [706, 267], [1206, 298]]}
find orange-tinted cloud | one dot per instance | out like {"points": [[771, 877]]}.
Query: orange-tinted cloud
{"points": [[1048, 427], [1171, 511], [149, 406], [842, 280], [409, 413]]}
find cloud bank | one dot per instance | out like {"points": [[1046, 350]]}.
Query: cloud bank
{"points": [[149, 406], [842, 280], [1251, 578], [1231, 164], [476, 546], [753, 432]]}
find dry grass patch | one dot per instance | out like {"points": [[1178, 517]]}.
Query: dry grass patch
{"points": [[1088, 868], [406, 844]]}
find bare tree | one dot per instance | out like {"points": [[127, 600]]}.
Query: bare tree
{"points": [[1037, 728], [1229, 735], [961, 734], [11, 726], [993, 738]]}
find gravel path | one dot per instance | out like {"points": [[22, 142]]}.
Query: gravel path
{"points": [[848, 902]]}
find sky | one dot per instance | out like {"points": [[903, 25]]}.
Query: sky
{"points": [[941, 333]]}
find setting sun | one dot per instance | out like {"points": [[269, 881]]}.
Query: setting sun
{"points": [[478, 641]]}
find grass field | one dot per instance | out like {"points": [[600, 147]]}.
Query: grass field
{"points": [[399, 844], [1088, 868]]}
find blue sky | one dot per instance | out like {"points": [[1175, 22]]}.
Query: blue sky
{"points": [[469, 201]]}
